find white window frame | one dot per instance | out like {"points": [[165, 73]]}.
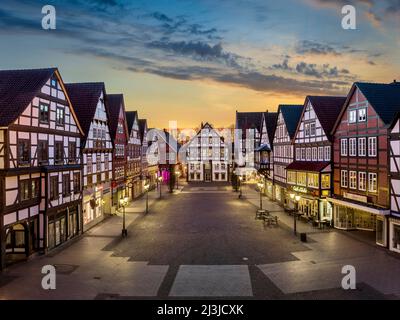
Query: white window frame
{"points": [[372, 146], [314, 153], [343, 147], [362, 147], [344, 178], [352, 116], [353, 147], [362, 117], [372, 175], [313, 125], [362, 181], [327, 153], [320, 153], [353, 178], [308, 154]]}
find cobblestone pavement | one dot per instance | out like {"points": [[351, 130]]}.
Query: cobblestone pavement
{"points": [[203, 242]]}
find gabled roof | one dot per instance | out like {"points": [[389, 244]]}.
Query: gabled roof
{"points": [[291, 114], [84, 98], [17, 90], [130, 119], [115, 103], [383, 97], [142, 127], [270, 121], [248, 120], [327, 109]]}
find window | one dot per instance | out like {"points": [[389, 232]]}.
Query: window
{"points": [[303, 154], [320, 153], [98, 163], [44, 113], [223, 176], [54, 188], [313, 180], [24, 186], [372, 147], [372, 182], [94, 133], [308, 152], [216, 176], [223, 166], [343, 147], [362, 181], [24, 152], [106, 162], [307, 130], [192, 167], [314, 154], [352, 147], [216, 166], [77, 182], [72, 152], [35, 191], [60, 116], [327, 153], [89, 164], [59, 152], [298, 153], [66, 185], [325, 181], [352, 116], [302, 178], [362, 148], [362, 115], [353, 180], [43, 152], [344, 178], [53, 83], [291, 177], [312, 129]]}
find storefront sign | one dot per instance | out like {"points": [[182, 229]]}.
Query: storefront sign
{"points": [[300, 189], [355, 197]]}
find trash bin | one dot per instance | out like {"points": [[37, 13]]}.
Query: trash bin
{"points": [[303, 237]]}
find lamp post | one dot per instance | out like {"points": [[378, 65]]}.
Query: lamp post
{"points": [[296, 199], [146, 188], [177, 174], [123, 202], [240, 186], [260, 186], [160, 180]]}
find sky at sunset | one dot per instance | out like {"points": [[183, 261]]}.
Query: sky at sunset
{"points": [[194, 61]]}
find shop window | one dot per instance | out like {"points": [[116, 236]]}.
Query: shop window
{"points": [[313, 180], [302, 178], [325, 181], [396, 237], [380, 231], [291, 177]]}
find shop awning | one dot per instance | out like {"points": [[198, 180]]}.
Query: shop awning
{"points": [[263, 147], [310, 166], [351, 204]]}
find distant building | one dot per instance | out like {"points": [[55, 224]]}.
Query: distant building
{"points": [[134, 156]]}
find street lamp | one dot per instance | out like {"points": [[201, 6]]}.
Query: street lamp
{"points": [[240, 186], [146, 188], [260, 186], [177, 174], [295, 198], [124, 202], [160, 180]]}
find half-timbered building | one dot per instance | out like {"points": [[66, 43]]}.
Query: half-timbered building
{"points": [[394, 220], [247, 139], [119, 135], [40, 164], [89, 101], [309, 176], [134, 153], [286, 124], [207, 156], [264, 152], [361, 196]]}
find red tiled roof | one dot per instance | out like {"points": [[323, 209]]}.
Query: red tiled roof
{"points": [[312, 166], [17, 90]]}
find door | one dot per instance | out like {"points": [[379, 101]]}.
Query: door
{"points": [[207, 175]]}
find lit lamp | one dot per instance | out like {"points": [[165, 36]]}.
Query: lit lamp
{"points": [[146, 188], [260, 186], [124, 202], [297, 199]]}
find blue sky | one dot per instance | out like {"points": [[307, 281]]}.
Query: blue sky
{"points": [[196, 61]]}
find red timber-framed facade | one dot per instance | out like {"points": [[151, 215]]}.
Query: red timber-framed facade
{"points": [[309, 176], [286, 124], [264, 153], [394, 219], [119, 136], [134, 150], [361, 197], [89, 101], [40, 164]]}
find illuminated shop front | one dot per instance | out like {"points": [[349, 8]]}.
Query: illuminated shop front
{"points": [[351, 215], [394, 234], [95, 205]]}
